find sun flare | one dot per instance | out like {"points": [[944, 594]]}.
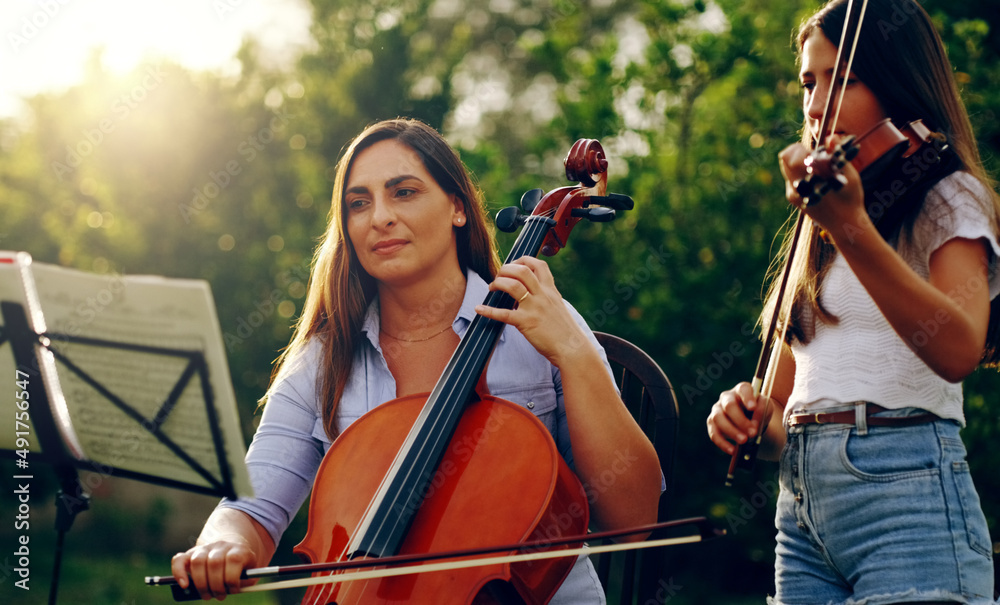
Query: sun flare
{"points": [[48, 42]]}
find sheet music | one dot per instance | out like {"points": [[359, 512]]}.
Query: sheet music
{"points": [[175, 314], [11, 290]]}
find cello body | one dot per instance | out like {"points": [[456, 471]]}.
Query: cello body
{"points": [[501, 481]]}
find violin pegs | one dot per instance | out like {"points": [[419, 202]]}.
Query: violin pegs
{"points": [[838, 182]]}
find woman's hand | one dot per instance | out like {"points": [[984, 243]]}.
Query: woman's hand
{"points": [[600, 427], [729, 421], [540, 313], [229, 543], [841, 211], [214, 569]]}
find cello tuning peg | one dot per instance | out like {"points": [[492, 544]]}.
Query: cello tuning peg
{"points": [[530, 199], [617, 201], [510, 218], [599, 214]]}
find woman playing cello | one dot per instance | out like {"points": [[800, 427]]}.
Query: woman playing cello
{"points": [[876, 503], [406, 259]]}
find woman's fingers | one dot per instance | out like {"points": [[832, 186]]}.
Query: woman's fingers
{"points": [[214, 569], [728, 422], [540, 315]]}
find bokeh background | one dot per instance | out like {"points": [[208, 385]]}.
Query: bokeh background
{"points": [[198, 139]]}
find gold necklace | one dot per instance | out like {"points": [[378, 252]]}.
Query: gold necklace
{"points": [[417, 339]]}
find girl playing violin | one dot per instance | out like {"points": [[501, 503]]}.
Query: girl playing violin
{"points": [[876, 503], [406, 258]]}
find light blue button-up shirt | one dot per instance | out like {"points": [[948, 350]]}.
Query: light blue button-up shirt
{"points": [[290, 442]]}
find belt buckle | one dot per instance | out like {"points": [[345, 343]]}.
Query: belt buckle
{"points": [[816, 419]]}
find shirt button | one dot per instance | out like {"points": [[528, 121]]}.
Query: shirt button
{"points": [[530, 405]]}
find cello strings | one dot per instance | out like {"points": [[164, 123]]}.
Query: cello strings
{"points": [[479, 341]]}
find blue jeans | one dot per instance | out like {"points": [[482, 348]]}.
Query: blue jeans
{"points": [[879, 515]]}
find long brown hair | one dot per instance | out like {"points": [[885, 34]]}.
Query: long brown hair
{"points": [[905, 66], [340, 290]]}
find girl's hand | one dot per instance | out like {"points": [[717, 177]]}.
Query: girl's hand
{"points": [[729, 423], [840, 211], [213, 568], [540, 313]]}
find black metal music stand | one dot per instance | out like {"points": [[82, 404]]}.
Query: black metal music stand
{"points": [[51, 430]]}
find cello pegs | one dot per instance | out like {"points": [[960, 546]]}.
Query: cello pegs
{"points": [[599, 214], [509, 219], [617, 201], [530, 199]]}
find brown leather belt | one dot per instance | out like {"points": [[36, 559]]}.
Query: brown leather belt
{"points": [[848, 418]]}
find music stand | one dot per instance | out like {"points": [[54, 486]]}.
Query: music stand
{"points": [[156, 428]]}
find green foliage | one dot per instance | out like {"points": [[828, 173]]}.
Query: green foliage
{"points": [[169, 172]]}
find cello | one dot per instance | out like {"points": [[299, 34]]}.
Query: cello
{"points": [[419, 463]]}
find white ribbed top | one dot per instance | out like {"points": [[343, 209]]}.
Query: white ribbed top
{"points": [[862, 358]]}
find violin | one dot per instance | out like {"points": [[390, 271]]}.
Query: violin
{"points": [[425, 471], [897, 166]]}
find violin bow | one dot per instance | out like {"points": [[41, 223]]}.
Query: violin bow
{"points": [[746, 454], [399, 565]]}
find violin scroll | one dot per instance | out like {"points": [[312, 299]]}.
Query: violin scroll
{"points": [[873, 154]]}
